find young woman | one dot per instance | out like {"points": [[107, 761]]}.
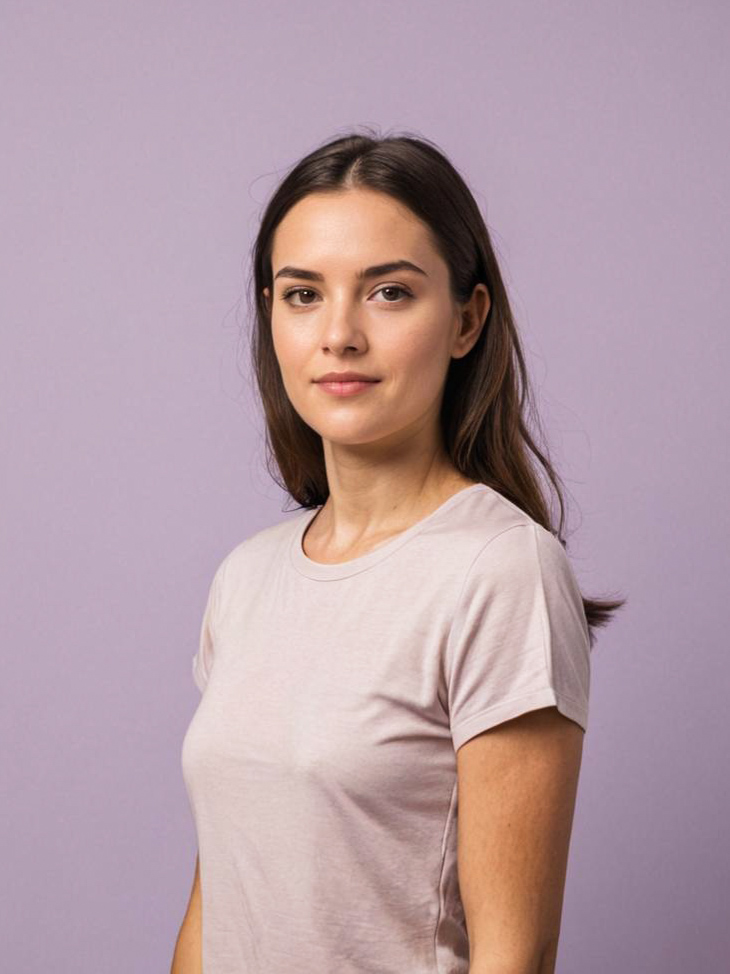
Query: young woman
{"points": [[384, 761]]}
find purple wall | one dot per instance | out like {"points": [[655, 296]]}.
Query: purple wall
{"points": [[139, 145]]}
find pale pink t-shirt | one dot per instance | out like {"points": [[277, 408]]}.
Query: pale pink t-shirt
{"points": [[320, 762]]}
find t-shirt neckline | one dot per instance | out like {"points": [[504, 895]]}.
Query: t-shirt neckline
{"points": [[319, 570]]}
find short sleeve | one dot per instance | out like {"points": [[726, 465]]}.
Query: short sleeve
{"points": [[519, 639], [203, 658]]}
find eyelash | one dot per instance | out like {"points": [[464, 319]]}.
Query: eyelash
{"points": [[386, 287]]}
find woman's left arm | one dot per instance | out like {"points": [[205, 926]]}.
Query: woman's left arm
{"points": [[517, 786]]}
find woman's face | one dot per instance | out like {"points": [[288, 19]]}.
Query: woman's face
{"points": [[399, 326]]}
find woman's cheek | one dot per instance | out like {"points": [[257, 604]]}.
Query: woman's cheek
{"points": [[422, 357]]}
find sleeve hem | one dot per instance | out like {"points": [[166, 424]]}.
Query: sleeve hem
{"points": [[516, 706], [197, 677]]}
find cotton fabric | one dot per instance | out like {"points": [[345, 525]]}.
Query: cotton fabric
{"points": [[320, 762]]}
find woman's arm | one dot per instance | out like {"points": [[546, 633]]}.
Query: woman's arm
{"points": [[188, 956], [517, 792]]}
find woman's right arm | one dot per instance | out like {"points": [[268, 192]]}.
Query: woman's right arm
{"points": [[188, 956]]}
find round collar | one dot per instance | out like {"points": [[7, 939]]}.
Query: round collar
{"points": [[343, 569]]}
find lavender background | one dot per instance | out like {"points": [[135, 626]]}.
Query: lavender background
{"points": [[139, 144]]}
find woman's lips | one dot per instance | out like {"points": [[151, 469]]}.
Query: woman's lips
{"points": [[347, 388]]}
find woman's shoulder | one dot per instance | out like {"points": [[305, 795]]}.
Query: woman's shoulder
{"points": [[260, 544]]}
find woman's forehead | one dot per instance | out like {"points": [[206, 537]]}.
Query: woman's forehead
{"points": [[331, 230]]}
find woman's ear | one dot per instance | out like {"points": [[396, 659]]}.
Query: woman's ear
{"points": [[267, 299], [473, 316]]}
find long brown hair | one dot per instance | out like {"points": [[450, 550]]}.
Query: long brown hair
{"points": [[487, 397]]}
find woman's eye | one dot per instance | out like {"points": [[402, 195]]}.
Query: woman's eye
{"points": [[394, 287], [295, 290], [287, 295]]}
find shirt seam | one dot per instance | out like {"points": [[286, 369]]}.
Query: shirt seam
{"points": [[215, 604], [448, 824], [213, 622], [547, 647], [454, 629]]}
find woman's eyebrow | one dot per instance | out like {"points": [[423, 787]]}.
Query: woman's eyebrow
{"points": [[375, 271]]}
